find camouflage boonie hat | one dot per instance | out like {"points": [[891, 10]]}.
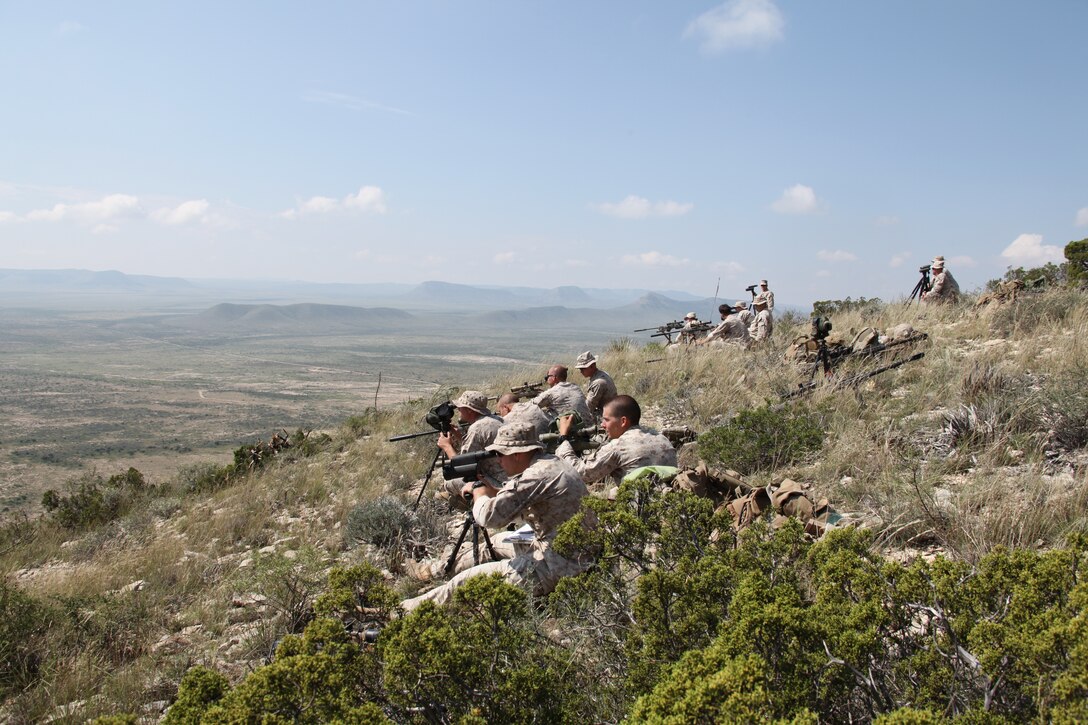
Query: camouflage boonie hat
{"points": [[690, 316], [473, 400], [516, 438], [741, 305], [938, 262], [585, 360]]}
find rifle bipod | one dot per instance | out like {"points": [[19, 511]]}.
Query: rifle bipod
{"points": [[477, 530]]}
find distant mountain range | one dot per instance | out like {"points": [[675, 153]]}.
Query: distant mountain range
{"points": [[300, 308], [70, 287]]}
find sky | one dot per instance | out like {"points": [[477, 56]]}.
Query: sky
{"points": [[829, 147]]}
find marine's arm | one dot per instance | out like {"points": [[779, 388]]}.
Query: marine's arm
{"points": [[494, 508], [598, 466]]}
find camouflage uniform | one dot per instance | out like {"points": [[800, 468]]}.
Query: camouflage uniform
{"points": [[731, 330], [767, 297], [637, 447], [745, 314], [599, 391], [544, 495], [529, 412], [564, 398], [762, 326], [943, 288], [479, 436]]}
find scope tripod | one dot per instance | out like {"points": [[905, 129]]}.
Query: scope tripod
{"points": [[430, 472], [477, 531], [920, 288], [823, 359]]}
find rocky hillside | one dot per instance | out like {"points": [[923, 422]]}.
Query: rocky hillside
{"points": [[109, 599]]}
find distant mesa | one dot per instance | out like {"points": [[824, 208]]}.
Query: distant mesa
{"points": [[305, 317], [75, 280], [652, 302], [461, 296]]}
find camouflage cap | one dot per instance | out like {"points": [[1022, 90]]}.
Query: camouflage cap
{"points": [[763, 282], [585, 360], [516, 438], [690, 316], [473, 400]]}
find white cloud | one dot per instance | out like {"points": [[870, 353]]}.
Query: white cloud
{"points": [[187, 211], [823, 273], [503, 258], [114, 206], [636, 207], [898, 259], [1028, 250], [318, 205], [837, 255], [104, 229], [1082, 217], [653, 259], [7, 216], [798, 199], [369, 199], [737, 24]]}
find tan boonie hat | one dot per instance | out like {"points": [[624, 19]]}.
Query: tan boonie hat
{"points": [[585, 360], [741, 304], [516, 438], [938, 262], [690, 316], [473, 400]]}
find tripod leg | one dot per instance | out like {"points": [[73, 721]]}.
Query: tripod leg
{"points": [[476, 543], [490, 548], [427, 479], [452, 561]]}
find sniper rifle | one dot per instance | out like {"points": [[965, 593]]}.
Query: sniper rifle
{"points": [[693, 330], [852, 381], [529, 390]]}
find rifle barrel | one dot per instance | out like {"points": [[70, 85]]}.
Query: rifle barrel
{"points": [[406, 436]]}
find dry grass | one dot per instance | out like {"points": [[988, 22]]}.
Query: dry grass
{"points": [[977, 445]]}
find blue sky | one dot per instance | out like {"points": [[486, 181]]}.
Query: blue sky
{"points": [[831, 147]]}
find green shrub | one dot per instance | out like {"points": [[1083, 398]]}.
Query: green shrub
{"points": [[1047, 276], [862, 306], [306, 444], [480, 657], [379, 521], [200, 688], [763, 439], [204, 477], [1005, 636], [90, 501], [357, 596], [1076, 267]]}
